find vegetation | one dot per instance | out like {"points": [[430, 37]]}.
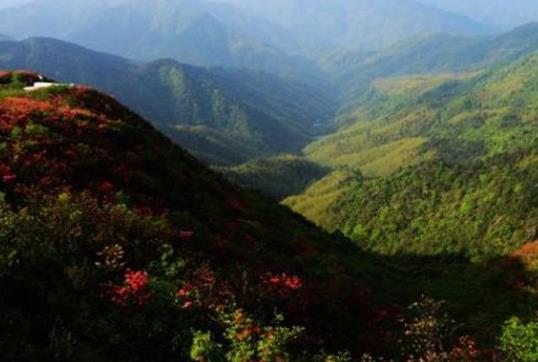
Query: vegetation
{"points": [[427, 54], [450, 166], [223, 116], [519, 340], [416, 226], [113, 239], [279, 176]]}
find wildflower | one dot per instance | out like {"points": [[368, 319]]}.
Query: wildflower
{"points": [[186, 235], [106, 187], [137, 281], [8, 179], [185, 291], [134, 289], [293, 283], [289, 282]]}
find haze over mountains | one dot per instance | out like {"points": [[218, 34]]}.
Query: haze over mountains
{"points": [[498, 12], [262, 35], [279, 181], [369, 24]]}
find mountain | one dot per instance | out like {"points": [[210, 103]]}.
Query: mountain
{"points": [[223, 116], [277, 176], [140, 241], [111, 233], [430, 54], [190, 31], [5, 37], [447, 160], [370, 24], [499, 12]]}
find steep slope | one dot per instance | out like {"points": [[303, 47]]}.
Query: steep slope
{"points": [[430, 54], [223, 116], [452, 161], [117, 245], [104, 194], [370, 24], [191, 31]]}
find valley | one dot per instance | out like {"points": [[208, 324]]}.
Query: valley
{"points": [[286, 181]]}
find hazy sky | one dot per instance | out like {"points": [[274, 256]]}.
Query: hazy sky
{"points": [[10, 3]]}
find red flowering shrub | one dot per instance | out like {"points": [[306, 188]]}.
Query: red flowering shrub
{"points": [[90, 189], [134, 290], [282, 284]]}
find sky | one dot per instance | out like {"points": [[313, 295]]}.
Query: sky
{"points": [[11, 3]]}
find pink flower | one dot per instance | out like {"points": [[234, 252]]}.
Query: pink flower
{"points": [[9, 179]]}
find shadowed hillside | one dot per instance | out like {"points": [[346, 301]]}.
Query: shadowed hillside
{"points": [[114, 239]]}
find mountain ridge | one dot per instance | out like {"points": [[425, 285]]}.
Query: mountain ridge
{"points": [[190, 103]]}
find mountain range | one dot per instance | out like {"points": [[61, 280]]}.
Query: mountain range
{"points": [[190, 31], [223, 116], [277, 36], [293, 180], [352, 71], [366, 24], [110, 232]]}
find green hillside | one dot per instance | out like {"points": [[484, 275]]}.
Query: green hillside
{"points": [[429, 54], [117, 245], [278, 176], [449, 161], [223, 116]]}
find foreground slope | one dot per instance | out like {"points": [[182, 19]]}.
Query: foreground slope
{"points": [[117, 245], [222, 116], [91, 193]]}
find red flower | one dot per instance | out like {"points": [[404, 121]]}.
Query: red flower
{"points": [[293, 283], [186, 235], [283, 280], [106, 187], [136, 280], [7, 175], [185, 291], [134, 289]]}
